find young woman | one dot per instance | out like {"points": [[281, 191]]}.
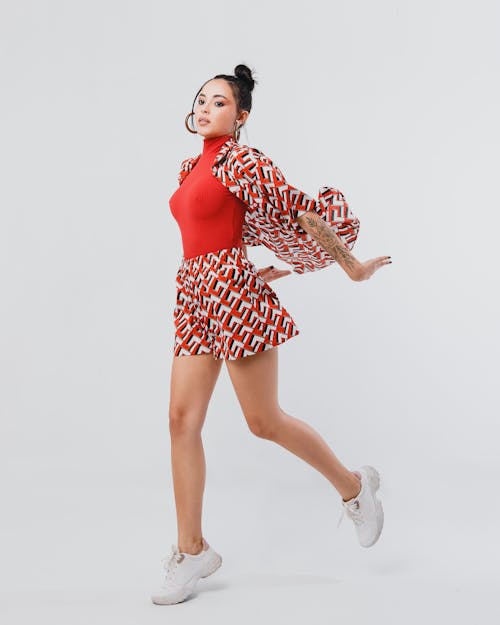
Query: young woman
{"points": [[231, 196]]}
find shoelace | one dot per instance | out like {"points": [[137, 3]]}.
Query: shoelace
{"points": [[171, 561], [352, 510]]}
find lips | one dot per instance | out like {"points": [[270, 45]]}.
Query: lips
{"points": [[203, 120]]}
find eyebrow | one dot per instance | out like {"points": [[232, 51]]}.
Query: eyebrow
{"points": [[217, 95]]}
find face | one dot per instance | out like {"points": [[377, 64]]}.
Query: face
{"points": [[216, 103]]}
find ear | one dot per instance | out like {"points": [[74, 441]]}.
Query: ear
{"points": [[243, 117]]}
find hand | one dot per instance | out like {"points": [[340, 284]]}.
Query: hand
{"points": [[368, 268], [271, 273]]}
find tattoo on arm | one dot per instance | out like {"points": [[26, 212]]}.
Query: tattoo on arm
{"points": [[317, 227]]}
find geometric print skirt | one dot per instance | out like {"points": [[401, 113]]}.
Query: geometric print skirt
{"points": [[224, 307]]}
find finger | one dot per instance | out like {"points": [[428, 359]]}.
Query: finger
{"points": [[276, 275]]}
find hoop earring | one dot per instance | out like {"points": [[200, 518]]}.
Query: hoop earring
{"points": [[236, 132], [195, 132]]}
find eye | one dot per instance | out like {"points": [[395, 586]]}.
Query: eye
{"points": [[220, 102]]}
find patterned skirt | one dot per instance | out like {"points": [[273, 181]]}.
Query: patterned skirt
{"points": [[224, 307]]}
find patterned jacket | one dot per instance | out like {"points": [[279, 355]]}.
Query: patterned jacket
{"points": [[273, 206]]}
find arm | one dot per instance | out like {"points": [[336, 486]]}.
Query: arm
{"points": [[321, 219], [317, 227]]}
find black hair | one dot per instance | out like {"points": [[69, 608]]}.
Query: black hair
{"points": [[242, 84]]}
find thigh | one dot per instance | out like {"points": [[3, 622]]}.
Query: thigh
{"points": [[192, 383], [255, 382]]}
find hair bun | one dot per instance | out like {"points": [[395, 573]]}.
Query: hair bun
{"points": [[244, 73]]}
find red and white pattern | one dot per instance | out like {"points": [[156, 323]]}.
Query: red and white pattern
{"points": [[274, 205], [224, 307]]}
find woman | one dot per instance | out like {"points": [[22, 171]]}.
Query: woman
{"points": [[231, 196]]}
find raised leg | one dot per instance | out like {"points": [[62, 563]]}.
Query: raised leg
{"points": [[255, 381]]}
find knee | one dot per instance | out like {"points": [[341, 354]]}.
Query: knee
{"points": [[184, 422], [263, 426]]}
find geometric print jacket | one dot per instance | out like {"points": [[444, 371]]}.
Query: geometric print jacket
{"points": [[273, 206]]}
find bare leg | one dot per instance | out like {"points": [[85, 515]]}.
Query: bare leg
{"points": [[266, 419], [193, 379]]}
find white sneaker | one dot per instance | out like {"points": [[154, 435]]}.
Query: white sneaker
{"points": [[182, 572], [366, 509]]}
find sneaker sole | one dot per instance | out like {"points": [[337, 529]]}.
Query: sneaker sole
{"points": [[158, 600], [215, 565], [374, 480]]}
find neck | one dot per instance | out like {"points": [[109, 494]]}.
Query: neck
{"points": [[211, 145]]}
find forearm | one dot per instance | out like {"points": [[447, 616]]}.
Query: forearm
{"points": [[317, 227]]}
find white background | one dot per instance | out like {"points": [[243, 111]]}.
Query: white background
{"points": [[396, 104]]}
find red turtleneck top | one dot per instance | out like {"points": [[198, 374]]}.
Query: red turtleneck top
{"points": [[209, 216]]}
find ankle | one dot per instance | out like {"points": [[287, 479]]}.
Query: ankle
{"points": [[193, 547], [355, 490]]}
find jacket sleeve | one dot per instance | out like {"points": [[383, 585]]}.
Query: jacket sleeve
{"points": [[185, 167], [268, 183]]}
